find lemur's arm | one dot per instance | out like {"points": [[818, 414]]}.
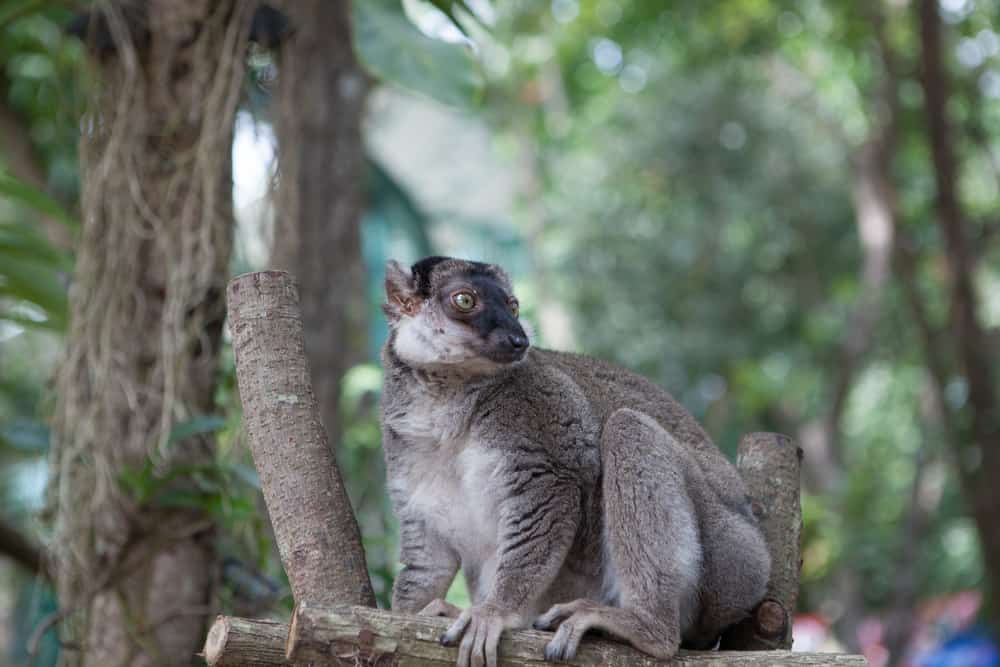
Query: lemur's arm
{"points": [[539, 517], [429, 566]]}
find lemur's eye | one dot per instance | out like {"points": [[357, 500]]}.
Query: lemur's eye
{"points": [[464, 301], [515, 307]]}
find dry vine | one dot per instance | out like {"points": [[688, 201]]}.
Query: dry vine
{"points": [[146, 303]]}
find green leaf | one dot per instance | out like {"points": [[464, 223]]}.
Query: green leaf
{"points": [[242, 473], [196, 426], [15, 10], [22, 241], [36, 282], [33, 198], [25, 435], [182, 498], [140, 483], [395, 51]]}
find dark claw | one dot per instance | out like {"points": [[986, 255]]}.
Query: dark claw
{"points": [[538, 625], [443, 639]]}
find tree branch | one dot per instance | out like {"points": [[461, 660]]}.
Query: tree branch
{"points": [[314, 525], [356, 635]]}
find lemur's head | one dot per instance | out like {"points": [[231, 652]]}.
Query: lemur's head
{"points": [[453, 313]]}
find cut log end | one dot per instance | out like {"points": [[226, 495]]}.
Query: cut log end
{"points": [[215, 644], [771, 619]]}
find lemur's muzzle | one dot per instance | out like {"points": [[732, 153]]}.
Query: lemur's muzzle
{"points": [[507, 346]]}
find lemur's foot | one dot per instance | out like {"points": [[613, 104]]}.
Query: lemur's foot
{"points": [[576, 618]]}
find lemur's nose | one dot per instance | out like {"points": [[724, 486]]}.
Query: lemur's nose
{"points": [[517, 341]]}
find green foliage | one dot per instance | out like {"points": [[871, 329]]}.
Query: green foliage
{"points": [[33, 278], [37, 201], [223, 489], [359, 455], [397, 52]]}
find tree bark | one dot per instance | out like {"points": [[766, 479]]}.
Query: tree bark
{"points": [[356, 635], [146, 314], [979, 458], [317, 237], [770, 465], [317, 535]]}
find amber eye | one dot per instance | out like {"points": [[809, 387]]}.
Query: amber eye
{"points": [[464, 301], [515, 307]]}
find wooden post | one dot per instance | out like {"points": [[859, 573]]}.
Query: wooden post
{"points": [[770, 464], [314, 525]]}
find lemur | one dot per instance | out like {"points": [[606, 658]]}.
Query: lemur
{"points": [[573, 494]]}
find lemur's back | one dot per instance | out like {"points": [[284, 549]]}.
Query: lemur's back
{"points": [[609, 387]]}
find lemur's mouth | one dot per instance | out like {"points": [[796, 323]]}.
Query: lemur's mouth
{"points": [[501, 357], [510, 348]]}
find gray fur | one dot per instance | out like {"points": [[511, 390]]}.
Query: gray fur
{"points": [[571, 492]]}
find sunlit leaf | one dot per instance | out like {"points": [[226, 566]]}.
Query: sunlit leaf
{"points": [[35, 282]]}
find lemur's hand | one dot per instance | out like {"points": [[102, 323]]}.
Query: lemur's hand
{"points": [[479, 627]]}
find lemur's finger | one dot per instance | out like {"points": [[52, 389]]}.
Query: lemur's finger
{"points": [[578, 626], [452, 634], [466, 648], [567, 640], [557, 613], [492, 640]]}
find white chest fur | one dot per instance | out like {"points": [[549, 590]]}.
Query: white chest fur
{"points": [[447, 479]]}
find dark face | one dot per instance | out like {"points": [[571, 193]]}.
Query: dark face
{"points": [[482, 306], [447, 312]]}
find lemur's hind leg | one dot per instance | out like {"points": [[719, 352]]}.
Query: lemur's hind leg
{"points": [[735, 570], [651, 540]]}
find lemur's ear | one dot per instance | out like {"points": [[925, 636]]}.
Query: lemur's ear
{"points": [[400, 291]]}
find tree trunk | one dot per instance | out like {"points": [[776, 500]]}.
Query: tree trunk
{"points": [[321, 94], [979, 450], [135, 573]]}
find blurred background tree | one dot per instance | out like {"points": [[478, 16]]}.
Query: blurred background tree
{"points": [[785, 213]]}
